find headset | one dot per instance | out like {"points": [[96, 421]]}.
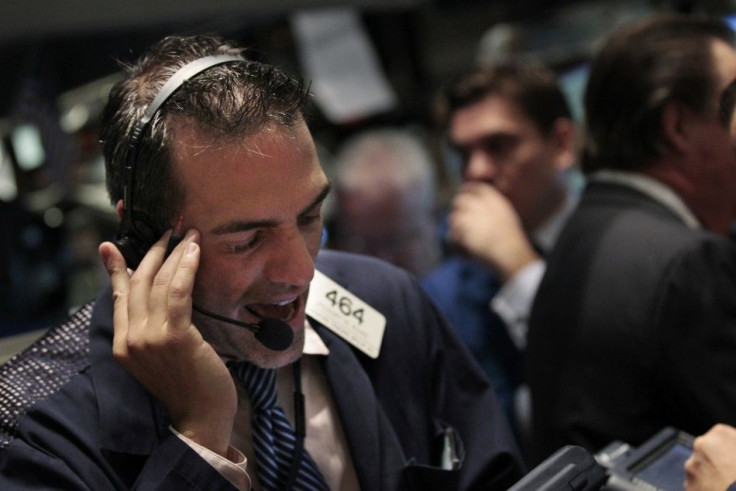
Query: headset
{"points": [[136, 233]]}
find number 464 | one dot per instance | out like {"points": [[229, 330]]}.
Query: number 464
{"points": [[345, 305]]}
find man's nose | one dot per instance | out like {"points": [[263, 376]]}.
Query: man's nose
{"points": [[480, 167], [290, 262]]}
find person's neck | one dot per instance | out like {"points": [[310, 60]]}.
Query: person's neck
{"points": [[551, 206], [712, 209]]}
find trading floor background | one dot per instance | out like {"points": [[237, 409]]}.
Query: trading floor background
{"points": [[371, 63]]}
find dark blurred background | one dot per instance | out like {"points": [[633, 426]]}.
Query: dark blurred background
{"points": [[60, 58]]}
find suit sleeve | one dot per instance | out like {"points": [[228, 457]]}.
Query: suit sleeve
{"points": [[172, 466], [696, 330]]}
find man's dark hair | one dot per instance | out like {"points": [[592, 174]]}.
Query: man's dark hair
{"points": [[232, 99], [641, 67], [531, 85]]}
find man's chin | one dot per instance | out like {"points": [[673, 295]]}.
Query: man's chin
{"points": [[235, 343], [266, 358]]}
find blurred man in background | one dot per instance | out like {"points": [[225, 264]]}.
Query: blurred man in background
{"points": [[712, 465], [634, 324], [511, 126], [385, 186]]}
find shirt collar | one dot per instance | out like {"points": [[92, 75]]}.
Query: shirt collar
{"points": [[657, 190], [546, 234], [313, 344]]}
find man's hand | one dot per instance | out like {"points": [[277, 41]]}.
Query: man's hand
{"points": [[157, 343], [712, 466], [484, 225]]}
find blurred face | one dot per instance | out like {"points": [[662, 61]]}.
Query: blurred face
{"points": [[502, 147], [725, 57], [714, 176], [388, 224], [257, 203]]}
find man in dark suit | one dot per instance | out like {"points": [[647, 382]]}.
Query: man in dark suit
{"points": [[711, 464], [160, 382], [634, 325]]}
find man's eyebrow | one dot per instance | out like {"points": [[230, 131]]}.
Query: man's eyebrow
{"points": [[235, 227], [319, 199], [489, 136]]}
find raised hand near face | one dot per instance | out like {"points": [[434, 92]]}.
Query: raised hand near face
{"points": [[156, 341], [484, 225]]}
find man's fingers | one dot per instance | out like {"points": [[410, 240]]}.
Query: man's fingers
{"points": [[143, 301], [154, 302], [179, 311], [120, 279]]}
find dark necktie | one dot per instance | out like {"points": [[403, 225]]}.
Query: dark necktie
{"points": [[275, 442]]}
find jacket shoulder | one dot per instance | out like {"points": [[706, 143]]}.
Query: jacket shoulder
{"points": [[363, 274], [43, 369]]}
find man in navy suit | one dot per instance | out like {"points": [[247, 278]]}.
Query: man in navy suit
{"points": [[513, 132], [136, 390], [634, 324]]}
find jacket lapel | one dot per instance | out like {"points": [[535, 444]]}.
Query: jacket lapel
{"points": [[366, 427]]}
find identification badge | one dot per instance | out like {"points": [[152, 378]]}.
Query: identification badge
{"points": [[346, 315]]}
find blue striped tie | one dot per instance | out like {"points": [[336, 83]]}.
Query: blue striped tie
{"points": [[274, 439]]}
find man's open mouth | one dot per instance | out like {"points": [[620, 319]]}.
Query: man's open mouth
{"points": [[283, 311]]}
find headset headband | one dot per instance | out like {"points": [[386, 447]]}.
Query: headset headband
{"points": [[172, 84], [182, 75]]}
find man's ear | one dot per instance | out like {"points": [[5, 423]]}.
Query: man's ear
{"points": [[119, 209], [562, 138], [676, 120]]}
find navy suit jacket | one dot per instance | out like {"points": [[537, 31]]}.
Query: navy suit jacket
{"points": [[633, 327], [79, 421], [462, 289]]}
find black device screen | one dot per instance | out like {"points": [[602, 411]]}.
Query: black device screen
{"points": [[666, 470]]}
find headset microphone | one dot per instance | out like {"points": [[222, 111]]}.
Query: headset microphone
{"points": [[274, 334]]}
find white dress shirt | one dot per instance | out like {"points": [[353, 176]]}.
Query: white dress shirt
{"points": [[325, 440]]}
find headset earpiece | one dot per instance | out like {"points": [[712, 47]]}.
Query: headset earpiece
{"points": [[136, 233], [135, 236]]}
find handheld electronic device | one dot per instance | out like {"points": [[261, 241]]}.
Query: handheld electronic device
{"points": [[657, 464], [571, 468]]}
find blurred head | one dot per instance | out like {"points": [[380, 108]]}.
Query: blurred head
{"points": [[640, 69], [652, 106], [385, 187], [229, 152], [512, 127]]}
